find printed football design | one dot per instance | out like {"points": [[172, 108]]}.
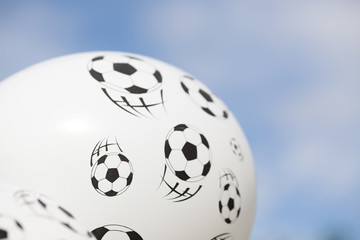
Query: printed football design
{"points": [[11, 229], [187, 153], [112, 174], [41, 205], [125, 73], [230, 198], [230, 203], [236, 148], [115, 232], [46, 208], [203, 97], [133, 84]]}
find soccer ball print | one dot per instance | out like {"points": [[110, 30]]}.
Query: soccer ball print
{"points": [[112, 172], [188, 161], [187, 153], [236, 148], [115, 232], [27, 215], [230, 198], [44, 207], [203, 97], [131, 83], [133, 147]]}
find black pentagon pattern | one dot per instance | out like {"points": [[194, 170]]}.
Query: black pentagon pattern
{"points": [[111, 193], [129, 179], [112, 174], [167, 148], [206, 169], [98, 58], [228, 220], [182, 175], [205, 95], [180, 127], [100, 232], [208, 111], [237, 191], [124, 68], [136, 89], [3, 234], [123, 158], [102, 159], [96, 75], [134, 235], [231, 204], [204, 141], [185, 88], [95, 182], [225, 114], [190, 152], [158, 76]]}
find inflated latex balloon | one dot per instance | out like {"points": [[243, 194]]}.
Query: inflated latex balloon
{"points": [[27, 215], [136, 148]]}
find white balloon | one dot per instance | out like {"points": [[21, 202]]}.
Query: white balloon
{"points": [[27, 215], [135, 147]]}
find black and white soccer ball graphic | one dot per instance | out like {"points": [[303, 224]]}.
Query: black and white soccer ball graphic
{"points": [[203, 97], [10, 228], [230, 203], [236, 148], [131, 83], [115, 232], [112, 174], [43, 207], [229, 198], [187, 153], [125, 73]]}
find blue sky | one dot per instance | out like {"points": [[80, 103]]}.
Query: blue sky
{"points": [[289, 71]]}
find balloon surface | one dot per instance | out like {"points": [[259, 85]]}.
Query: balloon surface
{"points": [[27, 215], [136, 148]]}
